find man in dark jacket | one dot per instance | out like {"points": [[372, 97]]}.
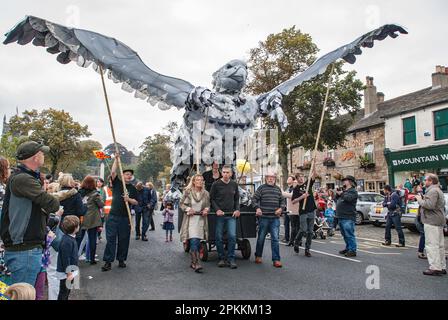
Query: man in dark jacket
{"points": [[146, 202], [392, 201], [25, 213], [346, 214]]}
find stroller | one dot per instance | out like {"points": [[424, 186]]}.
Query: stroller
{"points": [[322, 228]]}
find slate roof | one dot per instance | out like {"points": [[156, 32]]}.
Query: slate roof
{"points": [[404, 104]]}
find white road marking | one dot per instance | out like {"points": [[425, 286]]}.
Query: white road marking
{"points": [[378, 241], [380, 253], [329, 254]]}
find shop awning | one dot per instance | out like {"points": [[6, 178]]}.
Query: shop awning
{"points": [[418, 159]]}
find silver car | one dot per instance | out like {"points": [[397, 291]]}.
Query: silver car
{"points": [[365, 202]]}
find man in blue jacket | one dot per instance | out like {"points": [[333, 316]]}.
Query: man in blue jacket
{"points": [[393, 203], [146, 203]]}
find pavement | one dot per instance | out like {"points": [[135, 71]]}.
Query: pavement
{"points": [[160, 270]]}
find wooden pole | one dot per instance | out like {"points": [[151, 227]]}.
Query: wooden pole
{"points": [[125, 191], [313, 160]]}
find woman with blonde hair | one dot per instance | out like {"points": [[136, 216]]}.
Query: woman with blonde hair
{"points": [[195, 204]]}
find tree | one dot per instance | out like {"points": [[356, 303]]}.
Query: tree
{"points": [[126, 156], [54, 128], [79, 160], [8, 146], [155, 157], [277, 59]]}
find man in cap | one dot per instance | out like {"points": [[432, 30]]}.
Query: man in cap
{"points": [[346, 214], [25, 212], [269, 203], [118, 226]]}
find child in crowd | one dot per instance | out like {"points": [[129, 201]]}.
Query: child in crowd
{"points": [[67, 255], [329, 215], [168, 220]]}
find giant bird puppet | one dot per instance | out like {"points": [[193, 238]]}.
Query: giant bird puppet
{"points": [[224, 106]]}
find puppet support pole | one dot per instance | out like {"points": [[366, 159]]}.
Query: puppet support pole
{"points": [[125, 191], [313, 161]]}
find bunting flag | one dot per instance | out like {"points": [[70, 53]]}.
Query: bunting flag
{"points": [[100, 155]]}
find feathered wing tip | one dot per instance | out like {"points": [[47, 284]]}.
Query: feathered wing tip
{"points": [[122, 64], [347, 52]]}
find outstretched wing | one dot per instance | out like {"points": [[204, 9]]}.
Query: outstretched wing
{"points": [[347, 52], [87, 47]]}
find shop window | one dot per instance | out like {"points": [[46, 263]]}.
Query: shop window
{"points": [[409, 134], [368, 151], [441, 124]]}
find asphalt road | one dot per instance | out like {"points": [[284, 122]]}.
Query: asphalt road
{"points": [[160, 270]]}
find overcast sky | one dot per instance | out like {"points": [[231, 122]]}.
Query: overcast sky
{"points": [[190, 39]]}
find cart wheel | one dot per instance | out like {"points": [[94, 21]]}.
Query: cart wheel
{"points": [[245, 249], [186, 246], [203, 251], [323, 236]]}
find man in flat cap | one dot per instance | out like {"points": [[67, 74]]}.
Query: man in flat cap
{"points": [[25, 212], [118, 226], [346, 214]]}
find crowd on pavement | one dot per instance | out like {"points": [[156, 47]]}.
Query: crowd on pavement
{"points": [[48, 224]]}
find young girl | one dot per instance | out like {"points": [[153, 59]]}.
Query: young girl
{"points": [[42, 276], [329, 215], [168, 220]]}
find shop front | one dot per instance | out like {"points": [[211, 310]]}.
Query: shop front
{"points": [[406, 164]]}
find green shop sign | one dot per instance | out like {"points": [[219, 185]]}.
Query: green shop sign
{"points": [[417, 159]]}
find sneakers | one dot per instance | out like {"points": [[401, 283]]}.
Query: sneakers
{"points": [[307, 253], [386, 243], [144, 238], [258, 260], [107, 266], [222, 264], [233, 265], [343, 251], [277, 264], [121, 264], [137, 237], [401, 245], [350, 254]]}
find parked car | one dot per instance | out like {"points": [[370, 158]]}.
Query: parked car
{"points": [[377, 214], [364, 204]]}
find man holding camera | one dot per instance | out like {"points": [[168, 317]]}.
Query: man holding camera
{"points": [[346, 214], [393, 203]]}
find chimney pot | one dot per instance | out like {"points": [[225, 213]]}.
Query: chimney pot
{"points": [[440, 77], [370, 97]]}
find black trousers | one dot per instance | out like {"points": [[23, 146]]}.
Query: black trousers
{"points": [[64, 292], [295, 226], [151, 219], [117, 230]]}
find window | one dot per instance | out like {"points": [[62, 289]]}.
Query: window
{"points": [[409, 134], [380, 185], [370, 186], [368, 151], [307, 156], [441, 124]]}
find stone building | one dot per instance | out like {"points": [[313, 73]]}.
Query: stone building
{"points": [[362, 154]]}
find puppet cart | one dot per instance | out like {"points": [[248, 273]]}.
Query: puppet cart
{"points": [[245, 229]]}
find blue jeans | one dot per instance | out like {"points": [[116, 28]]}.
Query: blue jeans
{"points": [[230, 226], [421, 229], [195, 244], [117, 228], [24, 265], [394, 219], [271, 225], [145, 225], [347, 227]]}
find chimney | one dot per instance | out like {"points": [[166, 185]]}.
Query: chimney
{"points": [[440, 78], [370, 97], [380, 97]]}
